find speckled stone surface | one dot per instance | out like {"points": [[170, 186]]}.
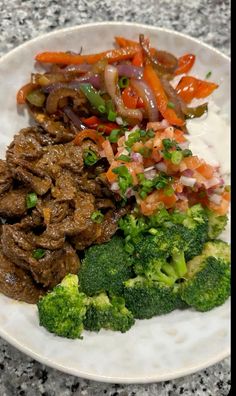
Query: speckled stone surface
{"points": [[208, 20]]}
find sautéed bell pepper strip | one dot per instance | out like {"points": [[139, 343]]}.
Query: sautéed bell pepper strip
{"points": [[154, 82], [190, 87], [185, 63], [24, 91], [88, 134], [64, 58], [138, 59]]}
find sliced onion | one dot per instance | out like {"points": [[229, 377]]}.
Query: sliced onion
{"points": [[173, 97], [83, 68], [215, 198], [133, 116], [147, 95], [54, 97], [187, 181], [124, 69], [94, 80], [74, 118], [161, 166]]}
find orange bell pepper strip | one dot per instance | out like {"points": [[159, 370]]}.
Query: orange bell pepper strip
{"points": [[138, 59], [185, 63], [191, 87], [72, 59], [91, 122], [124, 42], [88, 134], [154, 82], [24, 91]]}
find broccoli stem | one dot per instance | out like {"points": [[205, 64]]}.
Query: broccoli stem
{"points": [[169, 280], [179, 263], [169, 270]]}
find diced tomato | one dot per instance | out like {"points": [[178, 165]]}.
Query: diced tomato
{"points": [[179, 136], [106, 145], [134, 168], [156, 155], [107, 127], [221, 209], [192, 162], [111, 176], [150, 204], [206, 170]]}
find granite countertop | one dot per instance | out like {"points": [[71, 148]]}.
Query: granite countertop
{"points": [[208, 20]]}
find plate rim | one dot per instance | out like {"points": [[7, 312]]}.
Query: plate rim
{"points": [[73, 371]]}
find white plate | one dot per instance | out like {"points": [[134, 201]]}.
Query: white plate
{"points": [[161, 348]]}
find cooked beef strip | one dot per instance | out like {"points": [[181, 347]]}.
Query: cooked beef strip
{"points": [[110, 224], [18, 283], [18, 246], [85, 238], [57, 131], [13, 203], [5, 177]]}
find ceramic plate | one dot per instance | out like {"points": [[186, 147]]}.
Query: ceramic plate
{"points": [[161, 348]]}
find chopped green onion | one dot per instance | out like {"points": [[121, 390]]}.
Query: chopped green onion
{"points": [[114, 135], [176, 157], [124, 158], [90, 157], [97, 216], [112, 115], [208, 75], [93, 96], [102, 109], [166, 154], [187, 153], [31, 200], [38, 253], [125, 179], [169, 191], [133, 138], [168, 143], [145, 151], [123, 82], [171, 105], [150, 133], [36, 98], [142, 132]]}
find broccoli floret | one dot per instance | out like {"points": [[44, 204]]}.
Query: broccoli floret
{"points": [[146, 298], [105, 267], [207, 283], [217, 249], [108, 314], [216, 224], [62, 310], [133, 228], [160, 256]]}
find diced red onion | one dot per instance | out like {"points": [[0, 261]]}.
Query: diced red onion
{"points": [[188, 172], [129, 192], [115, 186], [158, 125], [181, 196], [149, 168], [215, 198], [150, 174], [124, 69], [214, 181], [161, 166], [187, 181], [119, 121], [147, 95], [137, 157], [184, 145]]}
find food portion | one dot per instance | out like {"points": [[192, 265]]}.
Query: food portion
{"points": [[107, 215]]}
